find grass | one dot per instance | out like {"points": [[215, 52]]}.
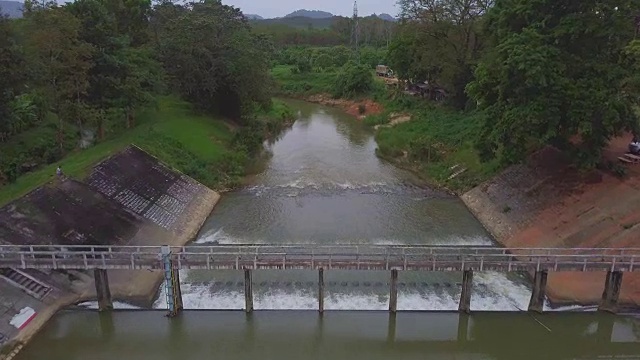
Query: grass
{"points": [[172, 132], [437, 143]]}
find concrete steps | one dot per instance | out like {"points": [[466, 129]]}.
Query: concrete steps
{"points": [[24, 281]]}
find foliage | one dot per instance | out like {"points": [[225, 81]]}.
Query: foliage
{"points": [[224, 71], [92, 67], [353, 79], [555, 78], [293, 83]]}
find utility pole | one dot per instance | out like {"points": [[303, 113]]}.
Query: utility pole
{"points": [[355, 30]]}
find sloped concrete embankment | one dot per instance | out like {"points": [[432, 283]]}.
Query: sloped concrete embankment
{"points": [[129, 199], [547, 203]]}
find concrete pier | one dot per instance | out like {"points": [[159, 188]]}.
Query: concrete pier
{"points": [[536, 304], [465, 296], [248, 291], [611, 292], [172, 282], [321, 290], [103, 293], [393, 292]]}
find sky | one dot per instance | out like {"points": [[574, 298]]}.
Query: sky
{"points": [[278, 8]]}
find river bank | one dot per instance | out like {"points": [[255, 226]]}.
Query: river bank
{"points": [[187, 150], [510, 215]]}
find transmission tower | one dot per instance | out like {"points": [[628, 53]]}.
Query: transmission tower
{"points": [[356, 30]]}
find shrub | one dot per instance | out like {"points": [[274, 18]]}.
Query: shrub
{"points": [[353, 79]]}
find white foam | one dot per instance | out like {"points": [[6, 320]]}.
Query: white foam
{"points": [[497, 294], [116, 305]]}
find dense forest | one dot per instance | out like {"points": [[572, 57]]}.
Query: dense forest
{"points": [[81, 72]]}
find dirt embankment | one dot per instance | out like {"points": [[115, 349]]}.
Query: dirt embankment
{"points": [[357, 108], [547, 203]]}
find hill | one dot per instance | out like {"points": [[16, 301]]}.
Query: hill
{"points": [[386, 17], [253, 17], [313, 14], [11, 8], [299, 22]]}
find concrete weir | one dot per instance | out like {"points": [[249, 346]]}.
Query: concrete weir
{"points": [[130, 198]]}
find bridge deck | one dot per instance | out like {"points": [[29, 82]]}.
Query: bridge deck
{"points": [[350, 257]]}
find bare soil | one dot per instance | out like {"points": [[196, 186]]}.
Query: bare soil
{"points": [[351, 107]]}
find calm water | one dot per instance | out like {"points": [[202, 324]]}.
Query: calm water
{"points": [[323, 184], [344, 335]]}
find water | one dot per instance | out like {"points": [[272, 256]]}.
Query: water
{"points": [[344, 335], [323, 184]]}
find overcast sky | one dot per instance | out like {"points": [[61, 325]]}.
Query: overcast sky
{"points": [[277, 8]]}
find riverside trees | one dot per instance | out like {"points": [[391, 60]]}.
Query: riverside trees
{"points": [[91, 64], [540, 72]]}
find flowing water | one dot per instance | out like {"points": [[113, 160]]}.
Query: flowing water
{"points": [[323, 184]]}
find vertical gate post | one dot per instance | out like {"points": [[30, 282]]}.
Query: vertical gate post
{"points": [[393, 291], [103, 293], [248, 291], [465, 295], [171, 282], [321, 290], [611, 292], [536, 304]]}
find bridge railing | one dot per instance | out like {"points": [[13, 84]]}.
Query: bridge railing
{"points": [[253, 256]]}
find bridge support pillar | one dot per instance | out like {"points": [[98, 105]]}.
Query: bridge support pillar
{"points": [[248, 291], [321, 290], [171, 283], [393, 292], [536, 304], [465, 296], [103, 293], [611, 292]]}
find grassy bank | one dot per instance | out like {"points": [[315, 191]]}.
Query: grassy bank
{"points": [[198, 145], [436, 144]]}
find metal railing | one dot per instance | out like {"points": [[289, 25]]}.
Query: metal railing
{"points": [[295, 256]]}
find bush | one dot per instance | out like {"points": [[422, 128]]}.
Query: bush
{"points": [[353, 79]]}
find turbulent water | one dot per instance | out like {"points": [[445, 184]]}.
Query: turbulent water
{"points": [[322, 184]]}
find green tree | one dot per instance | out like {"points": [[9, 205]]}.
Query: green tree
{"points": [[12, 76], [353, 79], [59, 59], [555, 77], [214, 59]]}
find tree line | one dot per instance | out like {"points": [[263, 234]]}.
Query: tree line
{"points": [[541, 72], [91, 65]]}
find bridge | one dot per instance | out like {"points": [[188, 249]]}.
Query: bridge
{"points": [[251, 257]]}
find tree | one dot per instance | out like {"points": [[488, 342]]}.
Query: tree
{"points": [[60, 60], [214, 59], [11, 76], [445, 41], [353, 79], [555, 77]]}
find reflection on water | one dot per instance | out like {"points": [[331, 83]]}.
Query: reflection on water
{"points": [[134, 335]]}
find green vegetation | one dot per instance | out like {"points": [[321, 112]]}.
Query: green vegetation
{"points": [[82, 80], [173, 133], [496, 81]]}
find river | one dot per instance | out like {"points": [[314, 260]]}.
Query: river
{"points": [[321, 183]]}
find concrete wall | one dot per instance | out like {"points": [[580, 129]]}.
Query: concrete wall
{"points": [[129, 199], [547, 203]]}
